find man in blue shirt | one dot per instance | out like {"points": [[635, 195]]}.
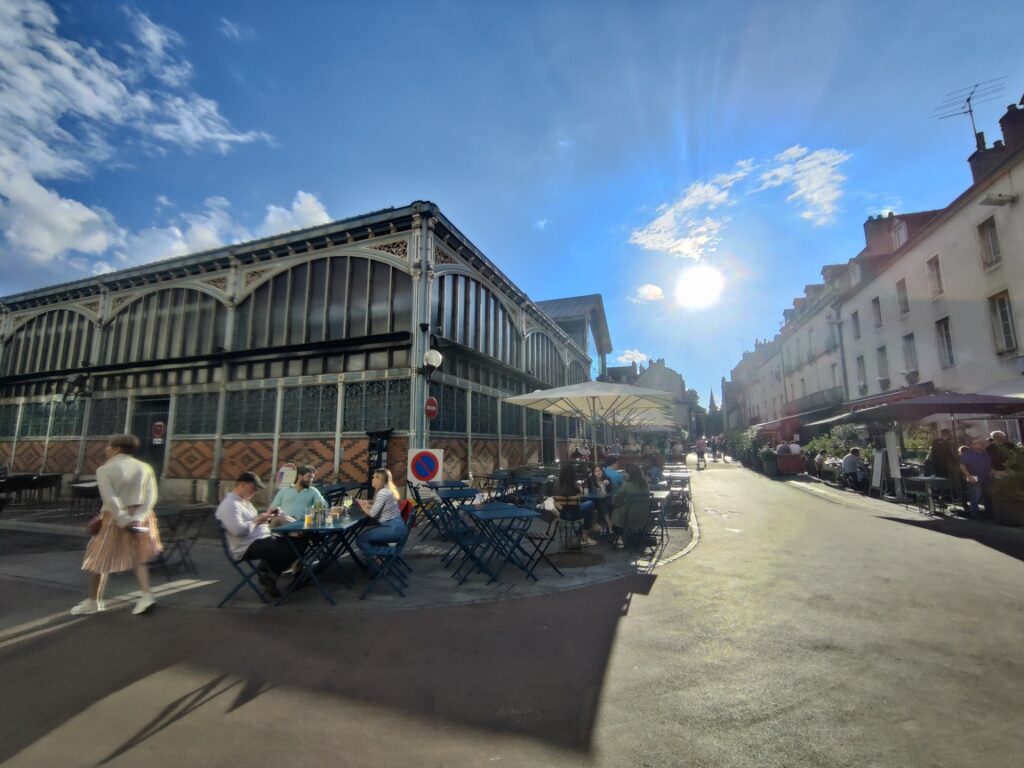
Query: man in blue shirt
{"points": [[295, 500], [976, 468], [613, 473]]}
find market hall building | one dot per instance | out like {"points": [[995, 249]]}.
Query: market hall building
{"points": [[291, 349]]}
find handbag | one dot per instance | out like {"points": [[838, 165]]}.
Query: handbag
{"points": [[94, 524]]}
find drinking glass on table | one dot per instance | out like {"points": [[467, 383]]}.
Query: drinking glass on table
{"points": [[308, 521]]}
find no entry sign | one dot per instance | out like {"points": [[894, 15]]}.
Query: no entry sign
{"points": [[425, 465], [430, 408]]}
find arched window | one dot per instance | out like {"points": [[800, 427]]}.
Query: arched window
{"points": [[339, 297], [53, 341], [164, 325], [467, 311]]}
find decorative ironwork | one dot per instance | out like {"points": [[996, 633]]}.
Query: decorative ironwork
{"points": [[107, 416], [398, 248], [374, 405], [196, 414], [220, 283], [120, 300], [309, 410], [251, 411], [254, 276], [442, 257], [92, 306]]}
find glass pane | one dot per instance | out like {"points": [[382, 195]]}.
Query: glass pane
{"points": [[317, 299], [353, 420], [398, 404], [401, 302], [357, 296], [297, 311], [336, 303], [375, 405], [380, 297]]}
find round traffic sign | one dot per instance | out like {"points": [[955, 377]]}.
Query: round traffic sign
{"points": [[424, 466], [430, 408]]}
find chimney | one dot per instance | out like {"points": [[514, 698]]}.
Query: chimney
{"points": [[1012, 125], [877, 235], [983, 160]]}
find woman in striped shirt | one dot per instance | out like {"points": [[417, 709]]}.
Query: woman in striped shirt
{"points": [[384, 510]]}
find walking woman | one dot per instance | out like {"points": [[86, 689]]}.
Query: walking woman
{"points": [[384, 510], [128, 537]]}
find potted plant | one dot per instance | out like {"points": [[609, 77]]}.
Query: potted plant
{"points": [[1008, 491], [769, 461]]}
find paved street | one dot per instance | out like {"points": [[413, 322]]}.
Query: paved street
{"points": [[809, 627]]}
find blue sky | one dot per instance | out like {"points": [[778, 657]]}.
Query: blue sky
{"points": [[585, 146]]}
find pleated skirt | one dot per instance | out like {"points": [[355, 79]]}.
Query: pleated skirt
{"points": [[114, 549]]}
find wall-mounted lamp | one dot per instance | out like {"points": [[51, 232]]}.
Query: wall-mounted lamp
{"points": [[75, 387], [432, 360]]}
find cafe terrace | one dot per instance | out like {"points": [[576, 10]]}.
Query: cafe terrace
{"points": [[290, 349]]}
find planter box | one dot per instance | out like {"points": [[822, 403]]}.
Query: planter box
{"points": [[771, 466], [791, 464]]}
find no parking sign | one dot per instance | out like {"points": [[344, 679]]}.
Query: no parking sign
{"points": [[425, 465]]}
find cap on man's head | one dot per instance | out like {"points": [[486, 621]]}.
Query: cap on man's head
{"points": [[303, 469], [251, 477]]}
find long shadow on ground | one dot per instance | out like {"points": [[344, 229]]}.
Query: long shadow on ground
{"points": [[1001, 540], [533, 667]]}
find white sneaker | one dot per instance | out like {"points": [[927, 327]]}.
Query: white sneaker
{"points": [[86, 607], [143, 604]]}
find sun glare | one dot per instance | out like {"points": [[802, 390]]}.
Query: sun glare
{"points": [[699, 287]]}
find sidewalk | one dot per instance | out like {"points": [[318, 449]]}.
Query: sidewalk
{"points": [[43, 544]]}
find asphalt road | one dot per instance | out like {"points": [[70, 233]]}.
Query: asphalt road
{"points": [[810, 627]]}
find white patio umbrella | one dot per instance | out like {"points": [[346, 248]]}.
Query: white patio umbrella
{"points": [[595, 400]]}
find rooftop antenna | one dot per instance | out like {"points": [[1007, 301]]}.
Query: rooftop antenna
{"points": [[963, 100]]}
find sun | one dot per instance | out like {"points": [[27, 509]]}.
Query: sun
{"points": [[699, 286]]}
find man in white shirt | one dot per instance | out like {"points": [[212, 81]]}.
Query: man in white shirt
{"points": [[851, 469], [248, 532]]}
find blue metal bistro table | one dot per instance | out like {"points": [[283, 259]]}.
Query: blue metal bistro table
{"points": [[327, 544], [504, 525]]}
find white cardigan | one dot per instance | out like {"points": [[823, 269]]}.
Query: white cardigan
{"points": [[125, 482]]}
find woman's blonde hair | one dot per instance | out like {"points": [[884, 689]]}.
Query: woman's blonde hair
{"points": [[389, 481]]}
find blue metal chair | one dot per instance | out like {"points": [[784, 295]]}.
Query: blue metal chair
{"points": [[465, 538], [426, 508], [389, 564], [245, 569]]}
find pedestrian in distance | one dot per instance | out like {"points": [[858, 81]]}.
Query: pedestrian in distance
{"points": [[702, 447], [128, 537], [976, 468]]}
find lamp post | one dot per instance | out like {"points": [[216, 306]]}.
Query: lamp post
{"points": [[432, 360]]}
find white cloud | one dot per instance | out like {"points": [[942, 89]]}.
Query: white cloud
{"points": [[230, 29], [64, 107], [678, 231], [647, 292], [815, 178], [540, 223], [163, 201], [158, 43], [306, 211], [632, 356]]}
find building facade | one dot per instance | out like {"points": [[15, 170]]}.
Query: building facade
{"points": [[930, 303], [288, 348]]}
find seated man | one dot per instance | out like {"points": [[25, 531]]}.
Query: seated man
{"points": [[248, 532], [296, 500], [851, 469]]}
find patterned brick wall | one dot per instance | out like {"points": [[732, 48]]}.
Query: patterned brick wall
{"points": [[485, 456], [353, 463], [319, 454], [511, 453], [455, 455], [190, 459], [62, 456], [398, 458], [5, 453], [247, 456], [29, 456], [94, 456], [532, 452]]}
